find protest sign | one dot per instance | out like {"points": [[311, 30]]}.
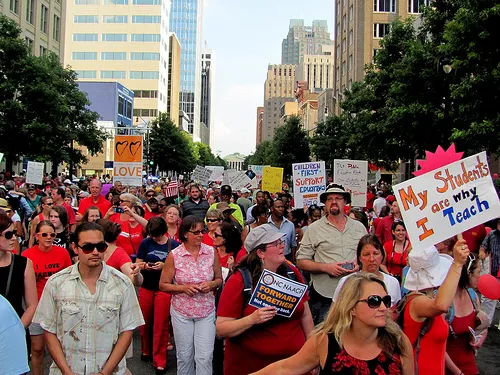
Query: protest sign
{"points": [[448, 200], [217, 172], [353, 176], [127, 166], [309, 182], [34, 173], [257, 169], [272, 178], [238, 180], [201, 175], [278, 291]]}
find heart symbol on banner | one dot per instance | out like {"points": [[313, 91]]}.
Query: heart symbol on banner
{"points": [[120, 147], [134, 147]]}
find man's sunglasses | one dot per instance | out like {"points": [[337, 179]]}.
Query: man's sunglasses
{"points": [[9, 234], [51, 235], [374, 301], [150, 196], [212, 220], [89, 247], [49, 204], [198, 232]]}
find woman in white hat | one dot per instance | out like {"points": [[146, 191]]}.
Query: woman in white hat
{"points": [[422, 315]]}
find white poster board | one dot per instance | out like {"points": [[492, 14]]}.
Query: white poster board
{"points": [[353, 176], [238, 180], [447, 201], [309, 181], [258, 170], [201, 175], [217, 172], [34, 173]]}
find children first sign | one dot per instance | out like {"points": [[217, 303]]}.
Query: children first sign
{"points": [[278, 291], [447, 201], [309, 182]]}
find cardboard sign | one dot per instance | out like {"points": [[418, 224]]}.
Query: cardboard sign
{"points": [[239, 180], [34, 173], [258, 170], [449, 200], [309, 181], [272, 178], [201, 175], [353, 176], [278, 291], [217, 172], [127, 166]]}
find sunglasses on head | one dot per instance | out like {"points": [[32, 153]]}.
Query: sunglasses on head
{"points": [[198, 232], [212, 220], [89, 247], [51, 235], [9, 234], [374, 301]]}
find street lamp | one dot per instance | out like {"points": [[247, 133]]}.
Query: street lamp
{"points": [[72, 109]]}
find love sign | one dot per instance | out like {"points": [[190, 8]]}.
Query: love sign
{"points": [[128, 159]]}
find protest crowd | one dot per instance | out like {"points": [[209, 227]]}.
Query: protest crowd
{"points": [[235, 280]]}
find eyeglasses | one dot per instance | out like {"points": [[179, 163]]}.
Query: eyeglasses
{"points": [[89, 247], [51, 235], [217, 235], [8, 234], [198, 232], [472, 258], [150, 196], [162, 205], [49, 204], [122, 201], [212, 220], [279, 242], [374, 301], [332, 199]]}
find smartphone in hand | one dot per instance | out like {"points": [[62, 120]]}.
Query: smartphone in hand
{"points": [[347, 266]]}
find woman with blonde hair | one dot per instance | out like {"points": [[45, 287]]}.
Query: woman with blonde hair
{"points": [[357, 337]]}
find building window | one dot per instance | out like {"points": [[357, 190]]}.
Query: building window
{"points": [[337, 70], [29, 43], [85, 19], [113, 55], [337, 50], [145, 94], [30, 11], [375, 51], [116, 74], [146, 19], [84, 56], [44, 19], [147, 2], [344, 45], [115, 19], [381, 29], [114, 37], [56, 28], [84, 37], [384, 6], [350, 62], [144, 56], [145, 112], [145, 37], [43, 51], [351, 13], [338, 30], [343, 69], [14, 6], [86, 2], [85, 74], [416, 6], [344, 22], [115, 2], [144, 75]]}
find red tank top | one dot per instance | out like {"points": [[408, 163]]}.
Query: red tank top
{"points": [[458, 347]]}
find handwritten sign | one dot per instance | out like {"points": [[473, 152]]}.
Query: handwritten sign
{"points": [[309, 182], [201, 175], [353, 176], [278, 291], [239, 180], [217, 172], [127, 166], [34, 173], [258, 170], [272, 178], [449, 200]]}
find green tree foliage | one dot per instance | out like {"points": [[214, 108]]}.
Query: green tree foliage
{"points": [[206, 157], [331, 140], [42, 111], [262, 154]]}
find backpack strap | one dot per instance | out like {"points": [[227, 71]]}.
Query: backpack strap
{"points": [[426, 327], [450, 314], [290, 272], [247, 285], [473, 298]]}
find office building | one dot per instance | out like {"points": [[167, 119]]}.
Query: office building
{"points": [[260, 124], [288, 109], [278, 89], [307, 103], [318, 69], [174, 79], [304, 40], [123, 41], [360, 25], [207, 95], [40, 23], [186, 21]]}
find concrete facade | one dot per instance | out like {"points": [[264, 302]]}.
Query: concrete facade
{"points": [[288, 109], [278, 89], [260, 124], [174, 78], [40, 22], [318, 70], [235, 161], [207, 96], [122, 41]]}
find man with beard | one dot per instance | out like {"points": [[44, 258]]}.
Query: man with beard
{"points": [[195, 205], [328, 249]]}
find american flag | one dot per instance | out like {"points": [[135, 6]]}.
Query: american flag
{"points": [[172, 189]]}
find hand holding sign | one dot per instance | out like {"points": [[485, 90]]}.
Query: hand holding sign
{"points": [[263, 314]]}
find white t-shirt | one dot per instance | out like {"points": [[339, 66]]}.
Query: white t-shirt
{"points": [[378, 204], [391, 283]]}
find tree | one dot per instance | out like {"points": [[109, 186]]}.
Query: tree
{"points": [[169, 147], [42, 110], [206, 157], [290, 145], [262, 154], [331, 140]]}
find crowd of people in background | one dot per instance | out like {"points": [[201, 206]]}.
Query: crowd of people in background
{"points": [[85, 262]]}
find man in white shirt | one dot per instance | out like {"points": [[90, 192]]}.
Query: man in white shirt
{"points": [[378, 204]]}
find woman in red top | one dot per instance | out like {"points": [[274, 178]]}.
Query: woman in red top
{"points": [[172, 217], [430, 270], [257, 337], [132, 229], [45, 208], [47, 259], [227, 243], [213, 218], [461, 345], [397, 251]]}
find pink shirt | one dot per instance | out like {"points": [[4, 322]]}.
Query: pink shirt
{"points": [[191, 271]]}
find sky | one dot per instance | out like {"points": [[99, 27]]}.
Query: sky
{"points": [[246, 37]]}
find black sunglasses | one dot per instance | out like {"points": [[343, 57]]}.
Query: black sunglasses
{"points": [[9, 234], [150, 196], [374, 301], [89, 247], [198, 232], [212, 220], [49, 204], [218, 235], [52, 235]]}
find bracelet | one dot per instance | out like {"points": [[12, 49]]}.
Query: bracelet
{"points": [[458, 273]]}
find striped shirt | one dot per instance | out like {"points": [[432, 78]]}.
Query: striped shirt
{"points": [[87, 325], [491, 245]]}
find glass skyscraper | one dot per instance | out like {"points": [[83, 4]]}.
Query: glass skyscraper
{"points": [[186, 19]]}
